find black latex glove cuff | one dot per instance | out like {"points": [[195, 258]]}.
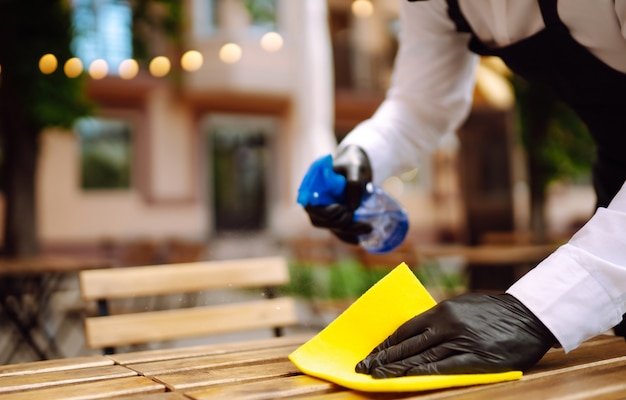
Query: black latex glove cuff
{"points": [[472, 333]]}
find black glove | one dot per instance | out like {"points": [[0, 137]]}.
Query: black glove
{"points": [[351, 162], [472, 333]]}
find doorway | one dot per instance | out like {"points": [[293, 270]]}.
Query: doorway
{"points": [[239, 150]]}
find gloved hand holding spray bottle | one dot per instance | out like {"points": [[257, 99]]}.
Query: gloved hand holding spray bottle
{"points": [[338, 194]]}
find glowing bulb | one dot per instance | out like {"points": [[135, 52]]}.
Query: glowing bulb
{"points": [[159, 66], [48, 64], [230, 53], [362, 8], [192, 60], [272, 41], [73, 67], [128, 69], [98, 69]]}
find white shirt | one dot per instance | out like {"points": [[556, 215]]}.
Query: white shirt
{"points": [[580, 290]]}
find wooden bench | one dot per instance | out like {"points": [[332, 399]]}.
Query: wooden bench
{"points": [[108, 331]]}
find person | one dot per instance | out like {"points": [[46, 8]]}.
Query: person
{"points": [[578, 49]]}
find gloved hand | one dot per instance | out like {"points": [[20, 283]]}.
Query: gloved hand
{"points": [[472, 333], [351, 162]]}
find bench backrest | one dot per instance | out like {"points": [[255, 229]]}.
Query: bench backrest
{"points": [[108, 331]]}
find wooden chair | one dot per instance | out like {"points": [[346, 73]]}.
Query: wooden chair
{"points": [[108, 331]]}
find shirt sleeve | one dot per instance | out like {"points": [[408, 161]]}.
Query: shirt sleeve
{"points": [[430, 94], [580, 290]]}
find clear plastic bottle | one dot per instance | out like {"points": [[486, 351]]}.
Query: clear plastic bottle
{"points": [[389, 220], [322, 186]]}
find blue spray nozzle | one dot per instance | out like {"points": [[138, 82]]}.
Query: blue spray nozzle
{"points": [[321, 185]]}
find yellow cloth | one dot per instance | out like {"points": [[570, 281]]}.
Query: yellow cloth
{"points": [[333, 353]]}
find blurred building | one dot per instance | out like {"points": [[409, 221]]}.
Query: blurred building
{"points": [[217, 148], [221, 147]]}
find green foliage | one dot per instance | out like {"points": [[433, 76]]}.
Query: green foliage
{"points": [[263, 12], [431, 274], [348, 279], [59, 101], [565, 149], [344, 279], [569, 147], [155, 16], [28, 30], [303, 282], [328, 288]]}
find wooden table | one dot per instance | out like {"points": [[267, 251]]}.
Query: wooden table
{"points": [[260, 370], [44, 264], [26, 285]]}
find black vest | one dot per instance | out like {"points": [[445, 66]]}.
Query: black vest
{"points": [[594, 90]]}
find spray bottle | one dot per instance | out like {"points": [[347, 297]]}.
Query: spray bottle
{"points": [[389, 220]]}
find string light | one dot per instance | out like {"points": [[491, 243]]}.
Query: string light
{"points": [[48, 64], [272, 41], [192, 60], [159, 66], [230, 53], [128, 69], [73, 67], [98, 69], [362, 8]]}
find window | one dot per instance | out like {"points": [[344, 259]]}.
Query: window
{"points": [[262, 13], [239, 165], [105, 146], [204, 17], [206, 14], [103, 29], [239, 149]]}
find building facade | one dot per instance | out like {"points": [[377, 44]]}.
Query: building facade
{"points": [[221, 147]]}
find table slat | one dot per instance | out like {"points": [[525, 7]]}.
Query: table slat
{"points": [[155, 396], [54, 365], [265, 390], [56, 378], [350, 395], [597, 349], [213, 349], [102, 389], [600, 355], [600, 352], [603, 381], [208, 377], [259, 370], [213, 361]]}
